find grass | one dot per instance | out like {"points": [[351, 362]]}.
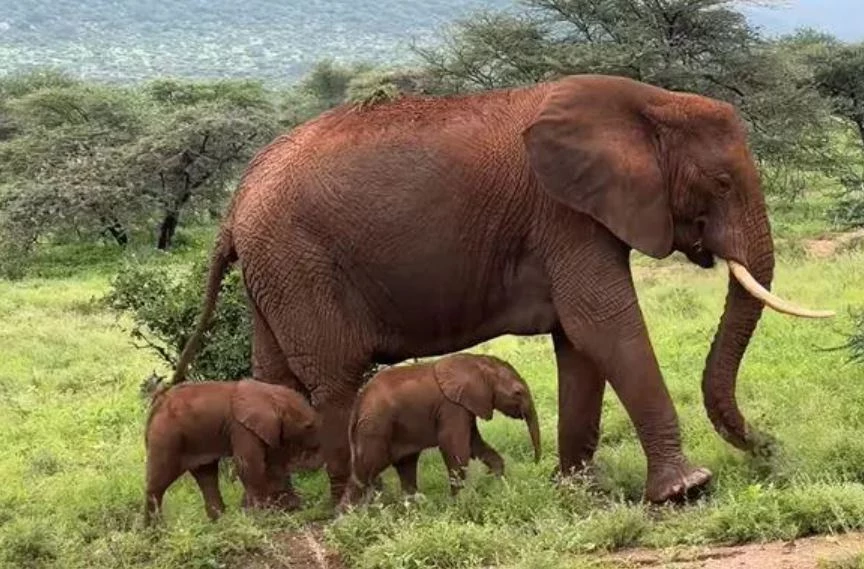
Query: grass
{"points": [[71, 451], [853, 562]]}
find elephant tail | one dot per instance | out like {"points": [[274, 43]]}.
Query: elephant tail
{"points": [[157, 390], [352, 437], [352, 420], [224, 255]]}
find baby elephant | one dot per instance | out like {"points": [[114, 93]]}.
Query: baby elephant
{"points": [[264, 427], [405, 409]]}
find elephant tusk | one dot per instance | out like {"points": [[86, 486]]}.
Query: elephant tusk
{"points": [[743, 276]]}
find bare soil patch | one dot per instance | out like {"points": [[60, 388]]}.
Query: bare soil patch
{"points": [[828, 245], [303, 549], [806, 553], [306, 549]]}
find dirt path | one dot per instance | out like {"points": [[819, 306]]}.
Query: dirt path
{"points": [[827, 246], [295, 550], [804, 553], [306, 550]]}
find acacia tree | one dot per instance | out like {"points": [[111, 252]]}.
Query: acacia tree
{"points": [[57, 158], [701, 46], [189, 159], [839, 75], [81, 160], [205, 134]]}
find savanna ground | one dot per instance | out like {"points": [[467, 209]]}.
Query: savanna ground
{"points": [[72, 454]]}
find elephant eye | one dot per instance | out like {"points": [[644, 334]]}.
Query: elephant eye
{"points": [[724, 182]]}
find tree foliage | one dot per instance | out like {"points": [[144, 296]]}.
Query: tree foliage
{"points": [[81, 160], [836, 71], [188, 159], [164, 308], [839, 75], [701, 46]]}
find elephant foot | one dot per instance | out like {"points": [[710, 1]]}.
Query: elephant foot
{"points": [[676, 484], [354, 493], [343, 506], [338, 488]]}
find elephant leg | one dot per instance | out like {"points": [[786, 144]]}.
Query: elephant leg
{"points": [[161, 473], [481, 450], [599, 312], [270, 365], [406, 467], [370, 459], [268, 361], [282, 490], [323, 338], [250, 457], [335, 414], [207, 477], [580, 402], [455, 445]]}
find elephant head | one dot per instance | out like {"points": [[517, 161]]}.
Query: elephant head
{"points": [[484, 383], [278, 415], [666, 171]]}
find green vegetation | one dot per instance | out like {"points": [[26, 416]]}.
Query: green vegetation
{"points": [[109, 198], [72, 455], [854, 562], [164, 307]]}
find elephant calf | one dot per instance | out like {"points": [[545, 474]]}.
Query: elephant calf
{"points": [[265, 427], [406, 409]]}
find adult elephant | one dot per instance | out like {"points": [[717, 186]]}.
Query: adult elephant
{"points": [[424, 226]]}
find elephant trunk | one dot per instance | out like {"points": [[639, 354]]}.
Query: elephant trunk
{"points": [[740, 316], [530, 414]]}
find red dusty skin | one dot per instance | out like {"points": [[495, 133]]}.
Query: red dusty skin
{"points": [[533, 429], [740, 316]]}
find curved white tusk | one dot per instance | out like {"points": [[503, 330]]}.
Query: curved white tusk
{"points": [[743, 276]]}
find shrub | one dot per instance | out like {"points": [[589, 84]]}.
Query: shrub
{"points": [[164, 308]]}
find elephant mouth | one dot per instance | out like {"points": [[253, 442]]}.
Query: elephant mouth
{"points": [[699, 255]]}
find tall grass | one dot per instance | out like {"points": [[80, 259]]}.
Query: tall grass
{"points": [[71, 444]]}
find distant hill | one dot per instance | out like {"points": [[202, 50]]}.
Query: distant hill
{"points": [[123, 40], [276, 39]]}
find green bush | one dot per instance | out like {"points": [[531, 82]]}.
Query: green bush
{"points": [[164, 307]]}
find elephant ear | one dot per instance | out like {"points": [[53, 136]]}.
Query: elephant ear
{"points": [[255, 408], [593, 149], [463, 382]]}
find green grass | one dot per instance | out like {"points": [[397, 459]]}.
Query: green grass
{"points": [[72, 456], [853, 562]]}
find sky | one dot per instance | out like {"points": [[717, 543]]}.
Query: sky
{"points": [[843, 18]]}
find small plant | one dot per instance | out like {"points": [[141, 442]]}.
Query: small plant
{"points": [[855, 341], [164, 308]]}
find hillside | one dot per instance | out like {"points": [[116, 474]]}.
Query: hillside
{"points": [[132, 39], [127, 40]]}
